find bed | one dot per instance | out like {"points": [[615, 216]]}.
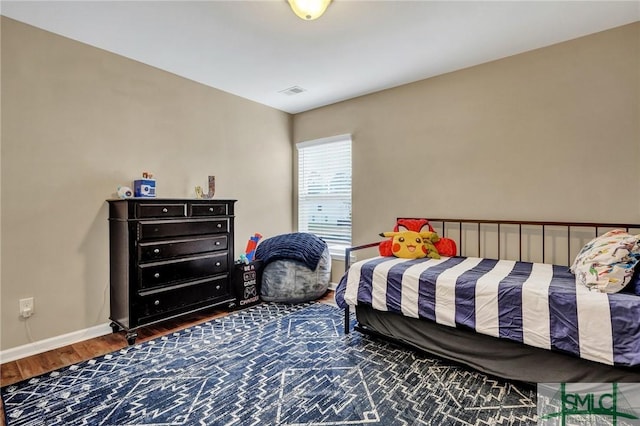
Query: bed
{"points": [[507, 305]]}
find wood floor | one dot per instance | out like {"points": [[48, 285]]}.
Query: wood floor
{"points": [[35, 365]]}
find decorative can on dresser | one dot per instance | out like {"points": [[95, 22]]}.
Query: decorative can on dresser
{"points": [[168, 257]]}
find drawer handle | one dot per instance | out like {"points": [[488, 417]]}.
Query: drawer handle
{"points": [[217, 287], [156, 251], [210, 209], [218, 263], [164, 210], [219, 225], [157, 302], [217, 243], [157, 275]]}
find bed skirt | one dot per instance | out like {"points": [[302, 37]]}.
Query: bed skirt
{"points": [[491, 355]]}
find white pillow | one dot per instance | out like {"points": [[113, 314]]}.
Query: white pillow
{"points": [[606, 263]]}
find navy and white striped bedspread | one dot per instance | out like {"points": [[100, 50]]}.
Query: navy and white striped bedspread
{"points": [[532, 303]]}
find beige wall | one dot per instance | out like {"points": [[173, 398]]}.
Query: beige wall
{"points": [[551, 134], [78, 122], [1, 310]]}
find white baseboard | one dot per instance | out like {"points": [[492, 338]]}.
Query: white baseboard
{"points": [[53, 343], [40, 346]]}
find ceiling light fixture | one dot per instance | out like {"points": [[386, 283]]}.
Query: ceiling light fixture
{"points": [[309, 9]]}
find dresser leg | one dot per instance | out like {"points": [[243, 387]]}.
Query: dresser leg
{"points": [[131, 337]]}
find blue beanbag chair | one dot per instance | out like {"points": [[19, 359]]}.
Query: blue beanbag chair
{"points": [[293, 281]]}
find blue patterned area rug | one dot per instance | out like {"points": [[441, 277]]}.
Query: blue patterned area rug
{"points": [[272, 364]]}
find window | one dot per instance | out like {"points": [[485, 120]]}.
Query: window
{"points": [[324, 190]]}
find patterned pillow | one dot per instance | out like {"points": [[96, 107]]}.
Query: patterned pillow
{"points": [[606, 263]]}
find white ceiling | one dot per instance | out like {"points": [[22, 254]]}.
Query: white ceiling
{"points": [[255, 49]]}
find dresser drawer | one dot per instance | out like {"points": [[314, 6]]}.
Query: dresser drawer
{"points": [[213, 209], [173, 228], [161, 210], [181, 297], [163, 273], [167, 249]]}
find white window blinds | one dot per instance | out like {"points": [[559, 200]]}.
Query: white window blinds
{"points": [[324, 190]]}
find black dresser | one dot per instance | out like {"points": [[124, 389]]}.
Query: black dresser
{"points": [[168, 257]]}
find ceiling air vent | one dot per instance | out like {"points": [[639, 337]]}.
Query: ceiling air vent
{"points": [[294, 90]]}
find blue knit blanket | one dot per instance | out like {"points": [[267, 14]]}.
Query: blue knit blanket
{"points": [[300, 246]]}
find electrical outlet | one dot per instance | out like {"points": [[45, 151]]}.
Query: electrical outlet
{"points": [[26, 307]]}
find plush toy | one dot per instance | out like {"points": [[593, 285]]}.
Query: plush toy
{"points": [[444, 246], [430, 244], [412, 245]]}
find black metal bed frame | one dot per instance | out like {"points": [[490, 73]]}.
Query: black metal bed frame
{"points": [[596, 226]]}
